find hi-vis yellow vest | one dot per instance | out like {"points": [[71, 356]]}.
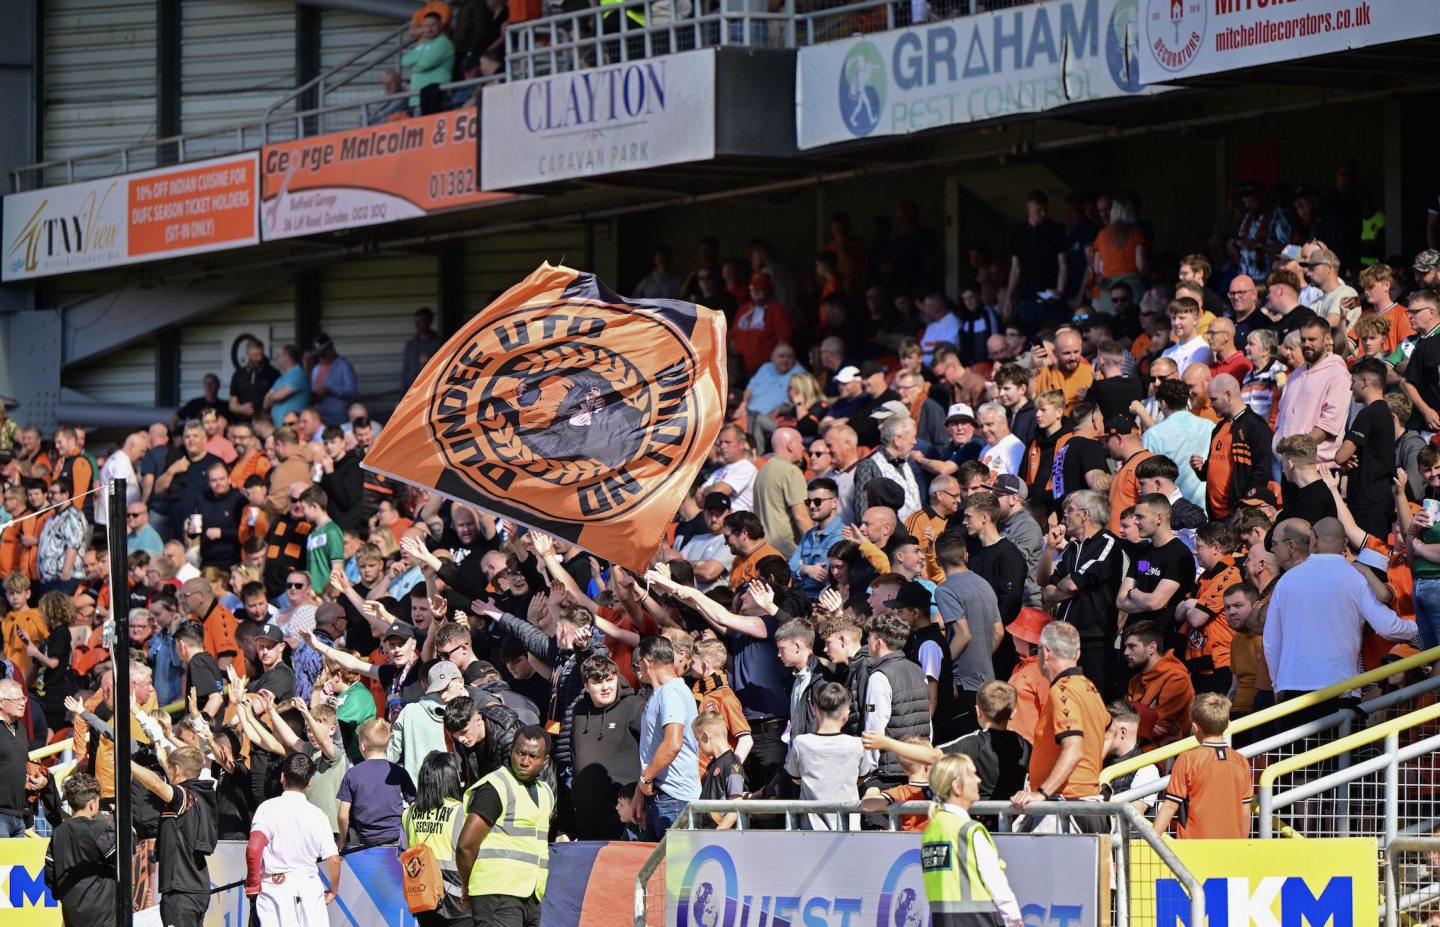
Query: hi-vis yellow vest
{"points": [[515, 858], [958, 896], [635, 13]]}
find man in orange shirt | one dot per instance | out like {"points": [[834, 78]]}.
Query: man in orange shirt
{"points": [[1069, 745], [1071, 373], [1122, 443], [250, 460], [1161, 687], [1211, 786], [20, 539], [1202, 619], [1032, 689], [198, 599], [745, 537]]}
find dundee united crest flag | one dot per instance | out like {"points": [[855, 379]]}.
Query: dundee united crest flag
{"points": [[566, 408]]}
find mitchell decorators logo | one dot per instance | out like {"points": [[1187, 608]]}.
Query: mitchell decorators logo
{"points": [[573, 393], [1174, 30], [862, 88]]}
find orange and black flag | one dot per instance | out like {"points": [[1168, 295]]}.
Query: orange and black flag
{"points": [[566, 408]]}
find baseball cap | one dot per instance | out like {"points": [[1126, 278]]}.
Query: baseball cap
{"points": [[911, 595], [402, 630], [870, 368], [890, 409], [1290, 252], [1321, 256], [717, 500], [1261, 496], [270, 631], [760, 280], [322, 341], [1008, 484], [1028, 624], [959, 412], [1427, 260], [1121, 423], [441, 675], [847, 374]]}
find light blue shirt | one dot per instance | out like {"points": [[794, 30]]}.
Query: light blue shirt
{"points": [[169, 671], [148, 540], [1180, 436], [341, 388], [813, 550], [296, 379], [769, 388], [672, 703]]}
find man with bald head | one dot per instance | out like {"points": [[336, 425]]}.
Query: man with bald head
{"points": [[1228, 358], [1197, 378], [199, 602], [1237, 465], [1071, 373], [926, 525], [844, 447], [1245, 304], [780, 492], [1314, 623]]}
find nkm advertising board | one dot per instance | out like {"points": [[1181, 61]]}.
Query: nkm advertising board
{"points": [[1025, 59], [1186, 38], [1259, 883], [623, 117], [382, 173], [729, 879], [164, 213]]}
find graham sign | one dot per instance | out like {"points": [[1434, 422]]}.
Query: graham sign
{"points": [[621, 117], [1027, 59], [1186, 38]]}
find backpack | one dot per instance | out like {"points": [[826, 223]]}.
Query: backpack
{"points": [[421, 878]]}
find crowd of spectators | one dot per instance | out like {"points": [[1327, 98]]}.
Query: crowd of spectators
{"points": [[1046, 525]]}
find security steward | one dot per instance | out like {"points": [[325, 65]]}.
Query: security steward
{"points": [[504, 853], [964, 877], [189, 830]]}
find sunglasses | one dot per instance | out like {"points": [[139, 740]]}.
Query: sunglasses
{"points": [[819, 501], [296, 585]]}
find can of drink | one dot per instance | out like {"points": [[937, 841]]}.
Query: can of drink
{"points": [[316, 471], [194, 524], [1432, 508], [252, 514]]}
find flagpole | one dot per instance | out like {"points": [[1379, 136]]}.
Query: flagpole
{"points": [[116, 544]]}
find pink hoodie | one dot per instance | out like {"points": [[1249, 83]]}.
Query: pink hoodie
{"points": [[1316, 396]]}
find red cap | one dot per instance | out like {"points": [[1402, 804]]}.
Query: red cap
{"points": [[1028, 624], [760, 280]]}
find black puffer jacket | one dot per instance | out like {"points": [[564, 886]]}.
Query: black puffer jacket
{"points": [[909, 705]]}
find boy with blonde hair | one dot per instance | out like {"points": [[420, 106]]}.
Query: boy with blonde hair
{"points": [[714, 695], [1210, 787], [722, 774], [23, 625]]}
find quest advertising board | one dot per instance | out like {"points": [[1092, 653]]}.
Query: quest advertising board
{"points": [[1027, 59], [732, 879], [622, 117], [147, 216], [1187, 38]]}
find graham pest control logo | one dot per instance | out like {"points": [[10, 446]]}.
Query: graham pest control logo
{"points": [[862, 88]]}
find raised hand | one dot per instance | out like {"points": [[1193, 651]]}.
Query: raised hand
{"points": [[74, 704], [830, 601], [541, 543], [761, 594]]}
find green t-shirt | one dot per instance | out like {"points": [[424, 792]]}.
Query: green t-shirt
{"points": [[325, 545], [356, 707], [1422, 568]]}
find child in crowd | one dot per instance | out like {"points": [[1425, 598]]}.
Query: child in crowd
{"points": [[1202, 619], [713, 694], [916, 787], [1122, 742], [828, 763], [722, 773], [1210, 788], [631, 813]]}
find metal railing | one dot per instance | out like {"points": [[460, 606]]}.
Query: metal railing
{"points": [[612, 34], [1346, 805], [1297, 740], [339, 99], [1128, 825], [1411, 889], [1277, 713], [316, 92], [236, 139]]}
